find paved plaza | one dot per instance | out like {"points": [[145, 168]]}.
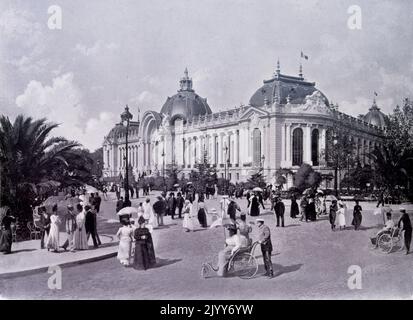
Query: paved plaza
{"points": [[310, 262]]}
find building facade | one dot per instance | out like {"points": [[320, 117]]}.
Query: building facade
{"points": [[286, 123]]}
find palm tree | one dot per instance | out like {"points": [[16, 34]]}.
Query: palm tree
{"points": [[30, 159], [392, 166]]}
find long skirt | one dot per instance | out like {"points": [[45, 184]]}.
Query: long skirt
{"points": [[357, 217], [5, 240], [294, 210], [80, 239], [124, 250], [53, 238], [187, 223], [255, 210], [144, 255], [341, 220], [202, 218]]}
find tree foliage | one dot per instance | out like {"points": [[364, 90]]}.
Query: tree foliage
{"points": [[257, 180], [32, 161], [306, 177], [204, 174]]}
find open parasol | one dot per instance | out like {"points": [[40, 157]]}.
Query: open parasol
{"points": [[257, 189], [127, 211]]}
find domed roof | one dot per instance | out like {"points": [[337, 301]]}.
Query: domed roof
{"points": [[375, 116], [283, 88], [186, 103]]}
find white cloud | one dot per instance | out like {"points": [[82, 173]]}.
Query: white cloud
{"points": [[96, 48], [62, 103]]}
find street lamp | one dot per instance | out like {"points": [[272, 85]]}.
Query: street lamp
{"points": [[225, 167], [335, 142], [163, 167], [126, 117]]}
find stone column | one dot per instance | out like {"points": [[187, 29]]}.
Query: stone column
{"points": [[307, 145], [236, 147], [288, 146], [322, 146], [283, 145]]}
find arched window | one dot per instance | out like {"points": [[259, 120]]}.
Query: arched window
{"points": [[297, 147], [256, 147], [314, 147]]}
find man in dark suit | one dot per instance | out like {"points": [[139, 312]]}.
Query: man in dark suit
{"points": [[279, 211], [44, 225], [266, 246], [90, 225], [172, 205], [180, 201], [98, 201]]}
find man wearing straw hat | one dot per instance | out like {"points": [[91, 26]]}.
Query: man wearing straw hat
{"points": [[264, 238]]}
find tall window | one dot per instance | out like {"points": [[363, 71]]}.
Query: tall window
{"points": [[314, 147], [256, 145], [297, 147]]}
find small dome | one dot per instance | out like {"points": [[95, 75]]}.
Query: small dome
{"points": [[375, 116], [186, 103]]}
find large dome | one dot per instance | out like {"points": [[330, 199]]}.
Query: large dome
{"points": [[283, 88], [375, 116], [186, 103]]}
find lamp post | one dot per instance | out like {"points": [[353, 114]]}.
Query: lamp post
{"points": [[163, 168], [335, 142], [125, 117], [225, 167]]}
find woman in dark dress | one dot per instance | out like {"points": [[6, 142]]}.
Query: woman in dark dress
{"points": [[333, 213], [294, 208], [357, 217], [6, 237], [202, 218], [255, 206], [144, 250]]}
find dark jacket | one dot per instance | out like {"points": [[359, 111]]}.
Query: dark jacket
{"points": [[159, 207], [279, 208], [44, 223], [407, 225], [90, 221]]}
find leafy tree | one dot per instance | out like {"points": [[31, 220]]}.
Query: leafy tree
{"points": [[204, 174], [306, 177], [393, 162], [172, 172], [257, 180]]}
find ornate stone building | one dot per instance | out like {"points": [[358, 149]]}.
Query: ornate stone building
{"points": [[285, 124]]}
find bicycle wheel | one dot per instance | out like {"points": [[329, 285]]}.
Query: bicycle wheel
{"points": [[385, 243], [245, 266]]}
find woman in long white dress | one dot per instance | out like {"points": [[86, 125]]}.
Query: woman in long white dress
{"points": [[80, 236], [188, 223], [125, 236], [150, 219], [341, 216], [53, 238]]}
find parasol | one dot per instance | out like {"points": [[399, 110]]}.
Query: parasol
{"points": [[257, 189], [127, 211], [331, 198], [90, 189], [176, 185]]}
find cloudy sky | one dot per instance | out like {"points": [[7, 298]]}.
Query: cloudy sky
{"points": [[112, 52]]}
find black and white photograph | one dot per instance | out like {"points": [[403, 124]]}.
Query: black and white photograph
{"points": [[206, 150]]}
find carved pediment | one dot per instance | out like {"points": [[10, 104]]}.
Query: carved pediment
{"points": [[253, 113], [314, 103]]}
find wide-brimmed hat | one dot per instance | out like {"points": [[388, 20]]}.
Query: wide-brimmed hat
{"points": [[402, 209], [259, 220]]}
